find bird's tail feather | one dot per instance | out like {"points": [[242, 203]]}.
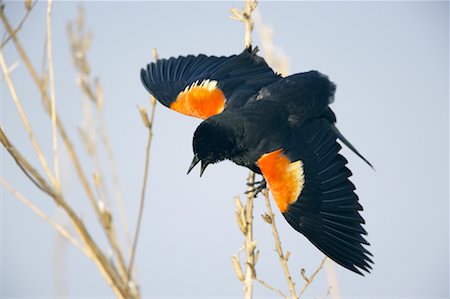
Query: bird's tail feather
{"points": [[349, 145]]}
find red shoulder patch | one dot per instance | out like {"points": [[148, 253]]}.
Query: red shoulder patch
{"points": [[200, 100], [284, 178]]}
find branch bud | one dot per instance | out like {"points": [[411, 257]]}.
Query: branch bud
{"points": [[240, 215], [97, 181], [302, 273], [105, 214], [237, 267], [256, 256], [144, 116], [266, 217], [133, 289], [288, 254], [28, 5], [238, 203], [99, 95], [242, 224]]}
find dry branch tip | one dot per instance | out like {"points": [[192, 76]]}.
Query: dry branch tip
{"points": [[144, 116]]}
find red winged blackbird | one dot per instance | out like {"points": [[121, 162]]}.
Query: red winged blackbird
{"points": [[280, 127]]}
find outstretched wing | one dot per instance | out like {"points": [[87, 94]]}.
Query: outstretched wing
{"points": [[203, 86], [309, 182]]}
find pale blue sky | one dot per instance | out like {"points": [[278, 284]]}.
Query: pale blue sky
{"points": [[390, 61]]}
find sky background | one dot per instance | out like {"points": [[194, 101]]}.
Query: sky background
{"points": [[390, 61]]}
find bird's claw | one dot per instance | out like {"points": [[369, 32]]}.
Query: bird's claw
{"points": [[256, 187], [254, 183]]}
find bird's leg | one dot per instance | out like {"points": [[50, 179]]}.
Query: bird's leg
{"points": [[257, 187], [254, 183]]}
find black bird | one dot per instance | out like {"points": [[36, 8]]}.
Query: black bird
{"points": [[279, 127]]}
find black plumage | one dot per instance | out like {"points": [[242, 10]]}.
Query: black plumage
{"points": [[266, 113], [239, 76]]}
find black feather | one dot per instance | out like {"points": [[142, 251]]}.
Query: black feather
{"points": [[330, 219], [238, 76]]}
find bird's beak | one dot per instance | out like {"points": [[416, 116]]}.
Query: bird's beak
{"points": [[203, 167], [194, 162]]}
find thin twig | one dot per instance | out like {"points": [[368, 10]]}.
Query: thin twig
{"points": [[58, 227], [79, 53], [141, 207], [115, 175], [6, 40], [149, 125], [23, 164], [101, 261], [80, 41], [311, 278], [52, 96], [245, 16], [250, 6], [250, 244], [79, 44], [67, 142], [11, 68], [104, 202], [39, 82], [271, 288], [25, 120], [282, 257], [13, 36]]}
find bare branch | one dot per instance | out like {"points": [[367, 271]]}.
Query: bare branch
{"points": [[25, 120], [23, 164], [245, 16], [110, 233], [118, 285], [281, 256], [41, 86], [11, 68], [271, 288], [250, 244], [80, 42], [101, 261], [29, 6], [149, 124], [311, 278], [237, 267], [113, 167], [246, 225], [52, 97], [58, 227]]}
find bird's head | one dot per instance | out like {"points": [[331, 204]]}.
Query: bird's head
{"points": [[214, 141]]}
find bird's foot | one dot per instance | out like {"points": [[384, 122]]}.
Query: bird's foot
{"points": [[256, 187]]}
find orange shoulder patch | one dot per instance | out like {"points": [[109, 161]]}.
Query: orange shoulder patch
{"points": [[284, 178], [200, 100]]}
